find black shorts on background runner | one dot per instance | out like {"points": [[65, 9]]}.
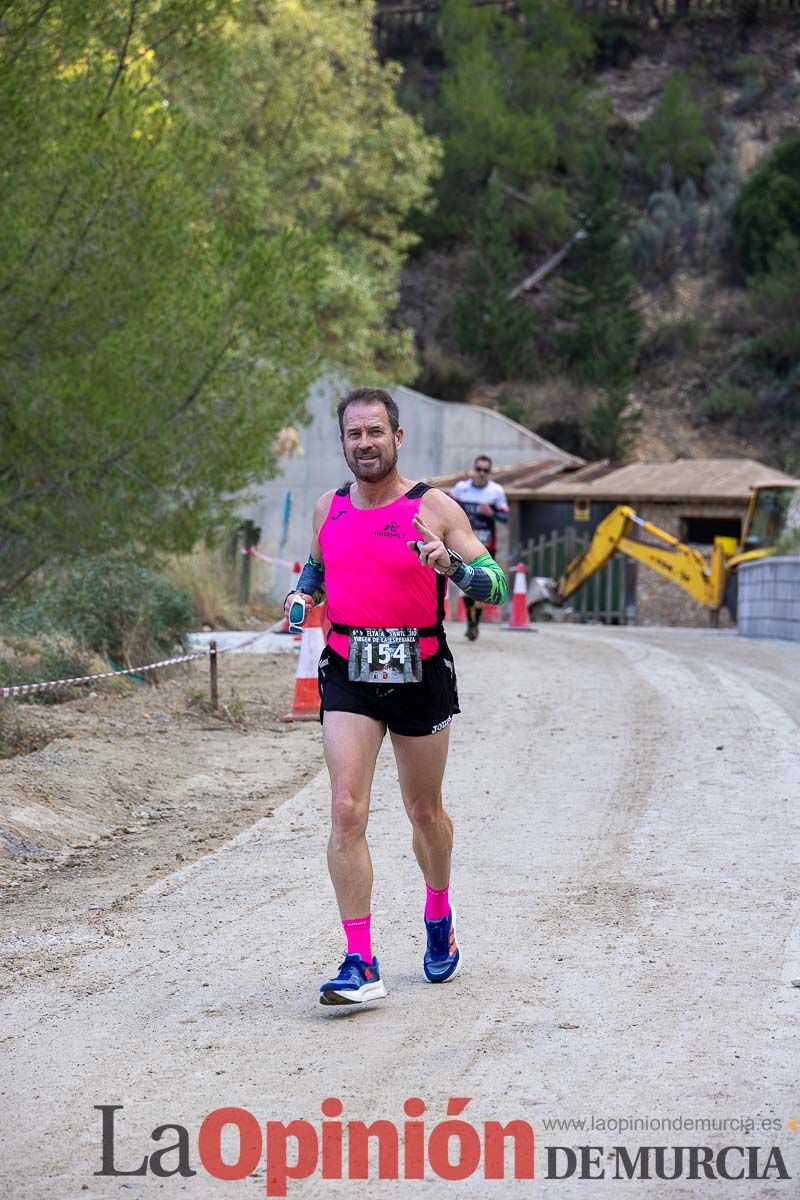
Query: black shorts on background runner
{"points": [[409, 709]]}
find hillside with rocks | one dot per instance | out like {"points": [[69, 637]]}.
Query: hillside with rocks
{"points": [[705, 380]]}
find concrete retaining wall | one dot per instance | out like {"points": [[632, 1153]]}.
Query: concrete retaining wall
{"points": [[440, 439], [769, 598]]}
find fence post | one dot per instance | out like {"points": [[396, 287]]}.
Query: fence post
{"points": [[212, 664], [250, 537]]}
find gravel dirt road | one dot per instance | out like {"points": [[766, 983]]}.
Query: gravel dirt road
{"points": [[626, 874]]}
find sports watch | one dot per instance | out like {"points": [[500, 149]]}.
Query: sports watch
{"points": [[456, 561]]}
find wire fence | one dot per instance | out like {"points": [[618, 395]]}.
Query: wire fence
{"points": [[424, 13], [601, 598], [28, 689]]}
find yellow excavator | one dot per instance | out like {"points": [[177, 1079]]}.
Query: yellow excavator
{"points": [[774, 509]]}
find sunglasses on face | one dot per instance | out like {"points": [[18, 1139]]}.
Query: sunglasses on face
{"points": [[481, 470]]}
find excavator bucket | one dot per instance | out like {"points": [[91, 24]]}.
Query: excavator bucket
{"points": [[542, 590], [543, 601]]}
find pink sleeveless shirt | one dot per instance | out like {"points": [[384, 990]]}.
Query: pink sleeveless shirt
{"points": [[371, 577]]}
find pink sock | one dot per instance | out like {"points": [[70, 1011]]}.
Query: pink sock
{"points": [[359, 940], [437, 903]]}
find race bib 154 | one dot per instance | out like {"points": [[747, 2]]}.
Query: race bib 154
{"points": [[384, 656]]}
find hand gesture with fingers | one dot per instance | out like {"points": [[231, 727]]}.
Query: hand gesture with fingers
{"points": [[433, 552]]}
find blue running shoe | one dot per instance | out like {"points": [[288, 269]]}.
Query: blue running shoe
{"points": [[442, 958], [356, 983]]}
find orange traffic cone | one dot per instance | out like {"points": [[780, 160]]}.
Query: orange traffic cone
{"points": [[461, 608], [491, 614], [306, 691], [519, 618], [447, 604]]}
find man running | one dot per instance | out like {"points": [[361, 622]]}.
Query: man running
{"points": [[484, 502], [381, 551]]}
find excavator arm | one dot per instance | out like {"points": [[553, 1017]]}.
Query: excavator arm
{"points": [[672, 559], [774, 508]]}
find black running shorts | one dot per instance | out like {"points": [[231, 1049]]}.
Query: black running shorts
{"points": [[409, 709]]}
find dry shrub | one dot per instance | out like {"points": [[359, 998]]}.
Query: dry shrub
{"points": [[20, 735], [233, 710], [110, 605], [210, 577], [28, 658]]}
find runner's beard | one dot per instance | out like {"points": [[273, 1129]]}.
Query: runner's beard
{"points": [[376, 467]]}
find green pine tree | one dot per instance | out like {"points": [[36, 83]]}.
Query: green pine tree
{"points": [[600, 342], [512, 100], [676, 134], [613, 424], [492, 329]]}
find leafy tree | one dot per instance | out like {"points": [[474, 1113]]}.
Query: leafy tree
{"points": [[776, 295], [492, 329], [315, 140], [203, 210], [759, 381], [768, 207], [676, 134], [777, 299]]}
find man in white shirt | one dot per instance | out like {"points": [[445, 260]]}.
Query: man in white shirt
{"points": [[484, 502]]}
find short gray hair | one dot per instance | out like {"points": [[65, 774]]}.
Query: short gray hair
{"points": [[369, 395]]}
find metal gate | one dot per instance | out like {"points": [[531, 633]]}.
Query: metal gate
{"points": [[601, 598]]}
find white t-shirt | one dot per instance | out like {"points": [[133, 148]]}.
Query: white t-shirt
{"points": [[471, 497]]}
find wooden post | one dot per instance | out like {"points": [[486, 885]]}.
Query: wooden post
{"points": [[212, 663], [251, 536]]}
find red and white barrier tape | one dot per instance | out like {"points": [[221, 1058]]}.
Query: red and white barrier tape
{"points": [[281, 562], [249, 642], [25, 689]]}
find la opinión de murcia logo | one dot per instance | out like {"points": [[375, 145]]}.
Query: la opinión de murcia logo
{"points": [[666, 1162], [453, 1149]]}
